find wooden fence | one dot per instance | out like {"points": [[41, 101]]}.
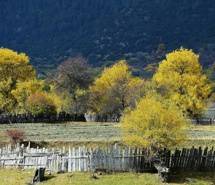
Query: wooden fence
{"points": [[42, 118], [51, 118], [113, 158], [194, 159], [63, 117]]}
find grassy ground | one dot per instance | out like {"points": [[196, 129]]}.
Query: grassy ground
{"points": [[19, 177], [82, 132], [63, 134], [201, 136], [96, 133]]}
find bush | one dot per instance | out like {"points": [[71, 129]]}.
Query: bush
{"points": [[15, 136], [154, 124], [41, 103]]}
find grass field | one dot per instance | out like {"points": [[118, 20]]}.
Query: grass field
{"points": [[69, 133], [19, 177], [83, 132]]}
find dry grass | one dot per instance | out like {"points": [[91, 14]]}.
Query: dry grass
{"points": [[93, 134]]}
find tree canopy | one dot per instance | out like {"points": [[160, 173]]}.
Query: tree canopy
{"points": [[14, 68], [41, 103], [74, 73], [18, 82], [155, 123], [180, 78], [115, 90], [72, 80], [24, 90]]}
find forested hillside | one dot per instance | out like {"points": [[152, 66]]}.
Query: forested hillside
{"points": [[103, 31]]}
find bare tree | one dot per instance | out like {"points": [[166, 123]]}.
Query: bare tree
{"points": [[74, 75]]}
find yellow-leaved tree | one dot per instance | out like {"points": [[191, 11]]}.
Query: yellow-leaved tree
{"points": [[14, 68], [27, 89], [24, 90], [115, 90], [180, 79], [154, 124], [41, 103], [18, 82]]}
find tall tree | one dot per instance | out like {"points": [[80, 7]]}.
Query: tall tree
{"points": [[24, 90], [115, 90], [181, 79], [72, 79], [14, 68]]}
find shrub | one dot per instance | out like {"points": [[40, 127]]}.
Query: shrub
{"points": [[15, 135], [154, 124], [41, 103]]}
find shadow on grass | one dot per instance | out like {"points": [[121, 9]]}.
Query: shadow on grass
{"points": [[48, 177], [193, 178]]}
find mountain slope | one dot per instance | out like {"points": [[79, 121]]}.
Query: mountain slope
{"points": [[51, 30]]}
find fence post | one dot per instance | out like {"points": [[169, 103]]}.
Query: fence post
{"points": [[69, 161]]}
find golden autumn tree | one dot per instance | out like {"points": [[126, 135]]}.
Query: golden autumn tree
{"points": [[180, 78], [14, 68], [27, 89], [154, 124], [41, 103], [115, 90], [24, 90]]}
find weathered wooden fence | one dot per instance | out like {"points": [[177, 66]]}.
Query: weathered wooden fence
{"points": [[51, 118], [114, 158], [194, 159]]}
